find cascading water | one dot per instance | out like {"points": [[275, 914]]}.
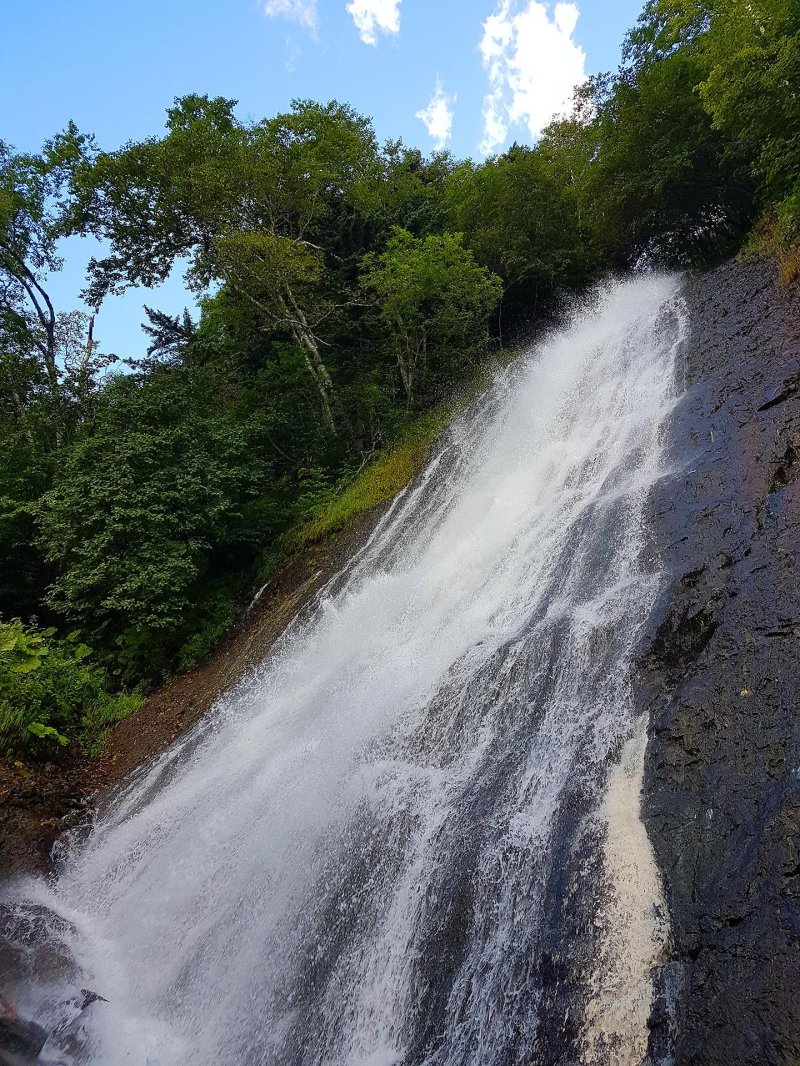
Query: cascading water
{"points": [[354, 858]]}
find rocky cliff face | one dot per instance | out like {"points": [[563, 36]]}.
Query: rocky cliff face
{"points": [[721, 681]]}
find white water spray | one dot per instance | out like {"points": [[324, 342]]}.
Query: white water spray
{"points": [[348, 860]]}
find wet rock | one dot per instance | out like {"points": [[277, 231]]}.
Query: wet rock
{"points": [[721, 680], [20, 1040], [34, 945]]}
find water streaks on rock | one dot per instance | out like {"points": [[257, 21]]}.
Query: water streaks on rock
{"points": [[721, 681]]}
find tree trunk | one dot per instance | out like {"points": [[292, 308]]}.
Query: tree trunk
{"points": [[292, 317], [306, 341], [406, 378], [26, 429], [304, 337]]}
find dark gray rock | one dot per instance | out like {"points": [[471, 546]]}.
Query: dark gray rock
{"points": [[20, 1040], [721, 679]]}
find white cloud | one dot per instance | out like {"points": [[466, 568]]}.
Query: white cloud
{"points": [[533, 65], [303, 12], [375, 16], [293, 53], [438, 116]]}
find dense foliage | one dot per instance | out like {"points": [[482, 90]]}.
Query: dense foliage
{"points": [[346, 289], [51, 693]]}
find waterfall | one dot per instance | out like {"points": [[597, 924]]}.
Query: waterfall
{"points": [[357, 856]]}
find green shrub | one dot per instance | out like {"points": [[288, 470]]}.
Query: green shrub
{"points": [[141, 513], [215, 616], [51, 694]]}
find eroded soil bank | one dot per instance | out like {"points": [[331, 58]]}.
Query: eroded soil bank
{"points": [[721, 680]]}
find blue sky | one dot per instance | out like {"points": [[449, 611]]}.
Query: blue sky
{"points": [[472, 75]]}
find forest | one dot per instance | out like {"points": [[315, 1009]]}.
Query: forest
{"points": [[348, 290]]}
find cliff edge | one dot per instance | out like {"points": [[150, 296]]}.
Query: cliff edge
{"points": [[721, 680]]}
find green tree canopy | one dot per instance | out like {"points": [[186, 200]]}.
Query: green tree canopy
{"points": [[434, 299], [519, 221], [138, 506], [752, 51], [46, 358], [246, 204]]}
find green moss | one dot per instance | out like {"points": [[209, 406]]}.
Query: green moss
{"points": [[391, 469], [774, 239], [387, 473]]}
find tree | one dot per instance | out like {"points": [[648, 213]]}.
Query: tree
{"points": [[413, 190], [36, 209], [662, 177], [139, 506], [518, 222], [752, 51], [246, 204], [171, 338], [435, 300]]}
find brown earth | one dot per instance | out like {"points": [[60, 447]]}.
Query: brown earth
{"points": [[38, 804]]}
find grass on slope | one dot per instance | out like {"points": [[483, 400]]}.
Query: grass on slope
{"points": [[391, 469], [387, 473]]}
